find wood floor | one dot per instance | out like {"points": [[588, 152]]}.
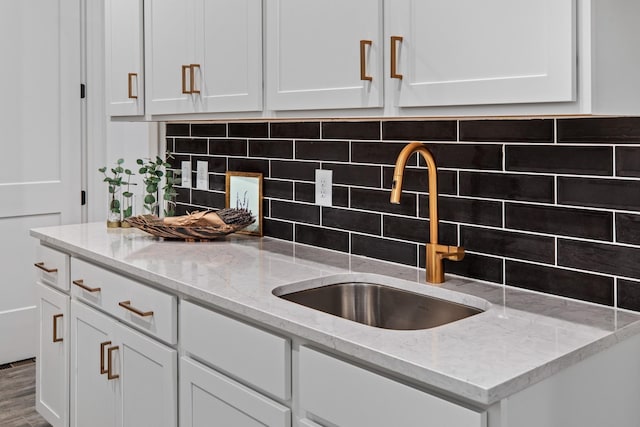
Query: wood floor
{"points": [[17, 396]]}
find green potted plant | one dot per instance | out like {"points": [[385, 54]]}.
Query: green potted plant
{"points": [[114, 182], [127, 198], [153, 171]]}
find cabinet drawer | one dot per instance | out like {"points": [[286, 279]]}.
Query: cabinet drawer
{"points": [[138, 305], [346, 395], [210, 398], [256, 357], [52, 267]]}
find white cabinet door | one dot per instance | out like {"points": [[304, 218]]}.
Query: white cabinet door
{"points": [[208, 398], [464, 52], [148, 380], [124, 53], [346, 395], [52, 362], [228, 55], [93, 394], [318, 55], [170, 50]]}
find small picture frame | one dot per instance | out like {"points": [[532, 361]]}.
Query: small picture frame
{"points": [[244, 191]]}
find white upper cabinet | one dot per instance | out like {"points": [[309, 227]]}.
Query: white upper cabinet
{"points": [[465, 52], [324, 54], [204, 55], [124, 57]]}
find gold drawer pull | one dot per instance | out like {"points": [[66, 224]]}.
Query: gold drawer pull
{"points": [[103, 370], [127, 305], [192, 77], [80, 283], [110, 374], [363, 60], [55, 327], [130, 85], [394, 57], [184, 80], [41, 266]]}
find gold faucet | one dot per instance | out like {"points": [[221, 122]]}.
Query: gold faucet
{"points": [[435, 251]]}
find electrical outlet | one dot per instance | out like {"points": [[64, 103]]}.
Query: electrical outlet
{"points": [[202, 176], [324, 179], [186, 174]]}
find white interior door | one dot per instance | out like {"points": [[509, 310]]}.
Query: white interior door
{"points": [[40, 173]]}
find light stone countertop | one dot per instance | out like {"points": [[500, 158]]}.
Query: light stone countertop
{"points": [[521, 338]]}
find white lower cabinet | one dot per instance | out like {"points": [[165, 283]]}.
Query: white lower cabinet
{"points": [[343, 395], [208, 398], [119, 376], [52, 367]]}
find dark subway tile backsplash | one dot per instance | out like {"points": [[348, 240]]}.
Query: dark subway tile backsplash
{"points": [[351, 130], [377, 152], [600, 257], [572, 284], [508, 244], [322, 150], [177, 129], [529, 130], [600, 130], [551, 204], [308, 214], [228, 147], [599, 193], [628, 161], [363, 222], [299, 130], [249, 130], [531, 188], [318, 236], [584, 223], [421, 130], [560, 159], [210, 130], [191, 145], [388, 250], [466, 156], [282, 149], [629, 294]]}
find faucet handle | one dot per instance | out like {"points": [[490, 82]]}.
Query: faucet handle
{"points": [[453, 253]]}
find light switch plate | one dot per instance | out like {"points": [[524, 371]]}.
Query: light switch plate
{"points": [[186, 174], [324, 178], [202, 176]]}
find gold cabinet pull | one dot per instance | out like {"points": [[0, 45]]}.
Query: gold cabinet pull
{"points": [[127, 305], [103, 370], [184, 79], [394, 57], [80, 283], [55, 328], [110, 374], [130, 85], [42, 267], [192, 77], [363, 60]]}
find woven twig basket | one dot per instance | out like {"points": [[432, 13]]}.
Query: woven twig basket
{"points": [[155, 226]]}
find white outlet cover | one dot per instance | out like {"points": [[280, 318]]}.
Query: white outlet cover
{"points": [[186, 174], [202, 175], [324, 182]]}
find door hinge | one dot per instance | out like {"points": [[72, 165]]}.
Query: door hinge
{"points": [[83, 198], [83, 91]]}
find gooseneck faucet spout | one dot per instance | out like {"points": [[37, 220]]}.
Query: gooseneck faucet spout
{"points": [[436, 252]]}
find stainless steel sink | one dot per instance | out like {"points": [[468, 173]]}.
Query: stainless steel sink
{"points": [[381, 306]]}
